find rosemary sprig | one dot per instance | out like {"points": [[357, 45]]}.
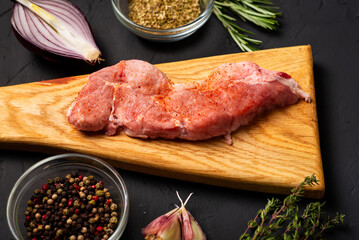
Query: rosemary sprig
{"points": [[259, 12], [281, 220]]}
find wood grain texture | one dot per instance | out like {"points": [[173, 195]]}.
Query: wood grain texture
{"points": [[272, 154]]}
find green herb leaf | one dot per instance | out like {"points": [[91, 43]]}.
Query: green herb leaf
{"points": [[259, 12], [281, 219]]}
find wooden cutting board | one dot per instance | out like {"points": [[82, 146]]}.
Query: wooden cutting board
{"points": [[272, 154]]}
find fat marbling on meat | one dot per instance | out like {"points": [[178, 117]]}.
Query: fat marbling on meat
{"points": [[137, 97]]}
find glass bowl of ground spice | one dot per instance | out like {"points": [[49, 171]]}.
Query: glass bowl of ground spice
{"points": [[68, 196], [163, 20]]}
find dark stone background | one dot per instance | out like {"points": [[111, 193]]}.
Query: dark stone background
{"points": [[331, 27]]}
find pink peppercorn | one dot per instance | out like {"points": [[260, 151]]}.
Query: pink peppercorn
{"points": [[45, 187]]}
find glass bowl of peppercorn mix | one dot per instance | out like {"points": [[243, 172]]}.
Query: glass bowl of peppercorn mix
{"points": [[163, 20], [68, 196]]}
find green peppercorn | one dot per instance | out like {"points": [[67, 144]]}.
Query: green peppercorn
{"points": [[44, 200], [47, 227], [87, 182], [57, 179], [68, 176], [91, 220], [114, 214], [113, 207], [74, 217], [29, 203], [82, 195], [92, 202], [89, 197], [98, 186], [49, 181], [77, 204], [65, 211], [113, 220], [99, 193], [59, 232], [107, 194], [48, 192], [59, 191], [90, 177]]}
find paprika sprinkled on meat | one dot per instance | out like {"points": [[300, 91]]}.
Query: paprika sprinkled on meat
{"points": [[137, 97]]}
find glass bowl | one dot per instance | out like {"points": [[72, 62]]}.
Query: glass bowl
{"points": [[120, 7], [60, 166]]}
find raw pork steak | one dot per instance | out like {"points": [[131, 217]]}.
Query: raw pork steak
{"points": [[139, 98]]}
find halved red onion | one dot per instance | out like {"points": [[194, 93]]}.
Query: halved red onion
{"points": [[54, 26]]}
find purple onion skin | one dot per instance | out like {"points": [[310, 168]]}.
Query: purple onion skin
{"points": [[46, 54], [32, 48]]}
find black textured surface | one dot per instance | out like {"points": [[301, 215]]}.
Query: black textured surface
{"points": [[332, 29]]}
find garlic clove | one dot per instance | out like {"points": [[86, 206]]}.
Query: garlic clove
{"points": [[197, 230], [171, 229], [190, 227], [187, 231], [156, 225], [177, 224]]}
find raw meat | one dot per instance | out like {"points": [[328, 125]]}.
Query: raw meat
{"points": [[139, 98]]}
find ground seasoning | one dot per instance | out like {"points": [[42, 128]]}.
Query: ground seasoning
{"points": [[75, 207], [163, 14]]}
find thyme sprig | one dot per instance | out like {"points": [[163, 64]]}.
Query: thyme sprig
{"points": [[282, 220], [259, 12]]}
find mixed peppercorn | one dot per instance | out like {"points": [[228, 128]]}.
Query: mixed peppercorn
{"points": [[75, 207]]}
